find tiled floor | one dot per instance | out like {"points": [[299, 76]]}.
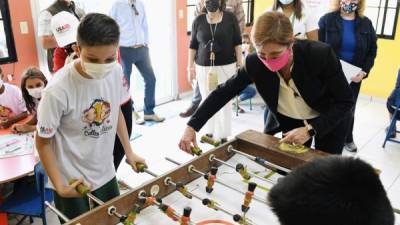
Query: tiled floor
{"points": [[162, 139]]}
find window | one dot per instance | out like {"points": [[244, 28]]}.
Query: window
{"points": [[7, 46], [384, 15], [248, 7]]}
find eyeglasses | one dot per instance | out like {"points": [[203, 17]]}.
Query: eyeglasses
{"points": [[135, 9]]}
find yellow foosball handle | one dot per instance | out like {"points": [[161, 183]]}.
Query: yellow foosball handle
{"points": [[130, 220], [140, 167], [291, 148], [196, 150], [210, 141], [81, 188]]}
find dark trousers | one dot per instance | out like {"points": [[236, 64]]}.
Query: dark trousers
{"points": [[141, 58], [119, 152], [332, 142], [355, 87]]}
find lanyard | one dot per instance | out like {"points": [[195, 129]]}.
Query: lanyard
{"points": [[212, 54]]}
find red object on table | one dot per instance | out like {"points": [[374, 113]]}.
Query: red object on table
{"points": [[13, 168]]}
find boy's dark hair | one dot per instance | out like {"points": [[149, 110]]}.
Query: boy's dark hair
{"points": [[31, 73], [332, 191], [96, 29]]}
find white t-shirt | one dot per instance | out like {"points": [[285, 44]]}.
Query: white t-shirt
{"points": [[307, 23], [11, 102], [81, 116], [44, 28]]}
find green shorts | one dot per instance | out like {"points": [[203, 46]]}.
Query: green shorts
{"points": [[73, 207]]}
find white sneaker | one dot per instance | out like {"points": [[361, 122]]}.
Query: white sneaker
{"points": [[136, 117], [153, 117], [350, 147]]}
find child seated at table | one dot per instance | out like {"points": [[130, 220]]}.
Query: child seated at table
{"points": [[32, 84], [12, 105]]}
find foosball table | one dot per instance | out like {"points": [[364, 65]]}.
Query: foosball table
{"points": [[226, 185]]}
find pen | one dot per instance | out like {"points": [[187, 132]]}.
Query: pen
{"points": [[13, 150]]}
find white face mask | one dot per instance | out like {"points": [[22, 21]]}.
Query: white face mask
{"points": [[245, 48], [98, 71], [286, 2], [35, 92]]}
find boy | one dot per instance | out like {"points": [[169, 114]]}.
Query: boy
{"points": [[12, 105], [332, 191], [79, 116]]}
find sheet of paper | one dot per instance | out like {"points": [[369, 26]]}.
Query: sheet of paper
{"points": [[349, 70]]}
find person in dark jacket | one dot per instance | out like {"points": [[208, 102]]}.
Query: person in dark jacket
{"points": [[302, 83], [353, 39]]}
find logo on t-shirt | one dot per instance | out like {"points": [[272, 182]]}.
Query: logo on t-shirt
{"points": [[96, 118], [5, 112]]}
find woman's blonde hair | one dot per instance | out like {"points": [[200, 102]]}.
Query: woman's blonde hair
{"points": [[360, 9], [272, 27]]}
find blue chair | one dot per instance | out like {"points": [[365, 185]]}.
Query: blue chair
{"points": [[28, 200], [392, 126]]}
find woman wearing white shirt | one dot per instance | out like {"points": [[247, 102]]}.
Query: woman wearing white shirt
{"points": [[305, 25]]}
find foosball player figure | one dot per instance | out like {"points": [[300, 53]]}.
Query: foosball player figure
{"points": [[211, 177], [210, 203], [242, 170], [183, 190], [248, 197], [170, 212], [185, 220]]}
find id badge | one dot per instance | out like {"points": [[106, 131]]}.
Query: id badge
{"points": [[212, 80]]}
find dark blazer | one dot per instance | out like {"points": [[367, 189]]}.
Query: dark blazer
{"points": [[331, 30], [317, 74]]}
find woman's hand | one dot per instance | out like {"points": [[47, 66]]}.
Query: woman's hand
{"points": [[188, 138], [132, 159], [360, 76], [297, 136], [191, 74], [4, 123]]}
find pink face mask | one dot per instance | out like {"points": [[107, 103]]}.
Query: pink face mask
{"points": [[276, 64]]}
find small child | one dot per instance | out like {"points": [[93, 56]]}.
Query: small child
{"points": [[79, 116], [32, 84], [249, 92], [12, 106]]}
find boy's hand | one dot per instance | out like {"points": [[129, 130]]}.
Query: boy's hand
{"points": [[188, 138], [19, 128], [132, 159], [70, 190]]}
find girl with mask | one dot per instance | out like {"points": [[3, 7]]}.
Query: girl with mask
{"points": [[214, 55], [301, 82], [352, 36], [32, 84]]}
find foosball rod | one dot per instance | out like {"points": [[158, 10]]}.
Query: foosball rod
{"points": [[213, 158], [260, 160], [85, 191], [193, 169], [159, 205], [57, 212], [206, 201]]}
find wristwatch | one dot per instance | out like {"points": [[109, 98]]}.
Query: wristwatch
{"points": [[311, 130]]}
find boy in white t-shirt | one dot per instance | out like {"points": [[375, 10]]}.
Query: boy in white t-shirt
{"points": [[12, 105], [79, 116]]}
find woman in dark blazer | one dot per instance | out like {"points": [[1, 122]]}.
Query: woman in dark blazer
{"points": [[301, 82], [353, 39]]}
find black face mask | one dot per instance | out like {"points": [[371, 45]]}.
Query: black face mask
{"points": [[212, 5]]}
